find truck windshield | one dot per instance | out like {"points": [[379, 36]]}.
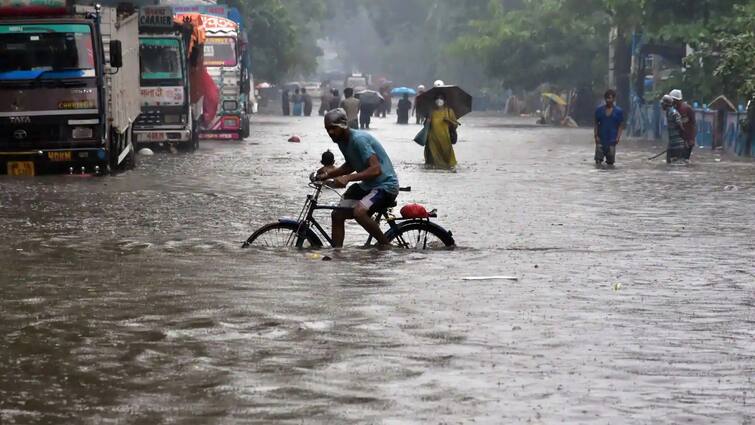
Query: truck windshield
{"points": [[220, 51], [30, 51], [160, 59]]}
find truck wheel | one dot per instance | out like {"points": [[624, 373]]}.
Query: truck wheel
{"points": [[195, 137], [114, 148], [129, 163], [192, 144], [245, 127]]}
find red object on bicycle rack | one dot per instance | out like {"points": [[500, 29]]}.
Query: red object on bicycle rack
{"points": [[414, 211]]}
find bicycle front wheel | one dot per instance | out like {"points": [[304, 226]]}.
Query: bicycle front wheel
{"points": [[282, 235], [420, 234]]}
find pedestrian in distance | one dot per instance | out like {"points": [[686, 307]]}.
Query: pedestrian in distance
{"points": [[402, 109], [307, 100], [335, 101], [688, 121], [351, 105], [366, 110], [609, 125], [368, 166], [677, 137], [325, 97], [439, 150], [285, 103], [298, 103], [416, 112]]}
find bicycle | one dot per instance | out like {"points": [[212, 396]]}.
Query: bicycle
{"points": [[306, 231]]}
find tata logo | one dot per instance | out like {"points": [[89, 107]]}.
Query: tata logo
{"points": [[20, 134], [20, 120]]}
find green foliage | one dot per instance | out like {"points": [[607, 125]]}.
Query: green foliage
{"points": [[280, 36]]}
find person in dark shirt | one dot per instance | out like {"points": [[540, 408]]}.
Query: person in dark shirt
{"points": [[402, 109], [609, 123], [335, 101], [285, 103], [307, 99], [677, 136], [688, 121]]}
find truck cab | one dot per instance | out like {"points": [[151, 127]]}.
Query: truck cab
{"points": [[222, 57], [166, 114], [64, 88]]}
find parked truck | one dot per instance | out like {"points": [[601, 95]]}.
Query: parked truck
{"points": [[167, 114], [69, 87], [226, 58]]}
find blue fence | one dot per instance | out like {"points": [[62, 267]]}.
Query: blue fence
{"points": [[715, 129]]}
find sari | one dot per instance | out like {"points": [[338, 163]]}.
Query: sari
{"points": [[439, 151]]}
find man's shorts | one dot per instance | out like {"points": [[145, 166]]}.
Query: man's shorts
{"points": [[607, 152], [374, 200]]}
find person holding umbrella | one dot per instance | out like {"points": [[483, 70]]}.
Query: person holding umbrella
{"points": [[445, 104], [439, 150], [402, 110]]}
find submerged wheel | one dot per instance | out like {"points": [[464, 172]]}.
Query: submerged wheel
{"points": [[281, 235], [419, 234]]}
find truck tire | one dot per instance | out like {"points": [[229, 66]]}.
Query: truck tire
{"points": [[114, 148], [245, 127], [129, 163], [192, 144]]}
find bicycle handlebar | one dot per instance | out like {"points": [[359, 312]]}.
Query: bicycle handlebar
{"points": [[313, 180]]}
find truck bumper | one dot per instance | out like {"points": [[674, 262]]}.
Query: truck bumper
{"points": [[31, 162], [161, 136], [223, 127], [220, 135]]}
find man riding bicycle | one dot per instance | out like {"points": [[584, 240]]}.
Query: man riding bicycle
{"points": [[366, 163]]}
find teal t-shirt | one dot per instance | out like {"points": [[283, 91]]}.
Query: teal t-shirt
{"points": [[357, 153]]}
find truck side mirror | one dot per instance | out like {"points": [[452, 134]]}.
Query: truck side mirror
{"points": [[116, 55]]}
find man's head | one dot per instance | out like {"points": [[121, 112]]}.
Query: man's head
{"points": [[296, 91], [610, 97], [348, 92], [337, 125], [406, 96], [667, 102], [676, 94], [303, 90], [328, 158]]}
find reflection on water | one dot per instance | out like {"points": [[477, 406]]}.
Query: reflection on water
{"points": [[128, 298]]}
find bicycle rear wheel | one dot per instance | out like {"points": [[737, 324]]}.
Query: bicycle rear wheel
{"points": [[420, 234], [281, 235]]}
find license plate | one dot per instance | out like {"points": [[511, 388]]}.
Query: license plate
{"points": [[152, 137], [20, 168], [59, 156]]}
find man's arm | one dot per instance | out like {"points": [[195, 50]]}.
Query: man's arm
{"points": [[373, 170], [343, 170]]}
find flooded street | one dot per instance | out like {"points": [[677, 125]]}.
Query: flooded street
{"points": [[127, 299]]}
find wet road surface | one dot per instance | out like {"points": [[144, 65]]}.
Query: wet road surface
{"points": [[127, 300]]}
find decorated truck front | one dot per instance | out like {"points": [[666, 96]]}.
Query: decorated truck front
{"points": [[224, 57], [166, 114], [67, 89]]}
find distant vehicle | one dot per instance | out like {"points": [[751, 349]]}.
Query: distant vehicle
{"points": [[358, 82], [167, 114], [226, 56], [69, 87], [313, 88]]}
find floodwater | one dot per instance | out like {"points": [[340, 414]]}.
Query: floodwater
{"points": [[126, 299]]}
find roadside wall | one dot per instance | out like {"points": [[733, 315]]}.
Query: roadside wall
{"points": [[715, 130]]}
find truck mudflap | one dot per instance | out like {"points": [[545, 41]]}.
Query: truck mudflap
{"points": [[33, 162]]}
